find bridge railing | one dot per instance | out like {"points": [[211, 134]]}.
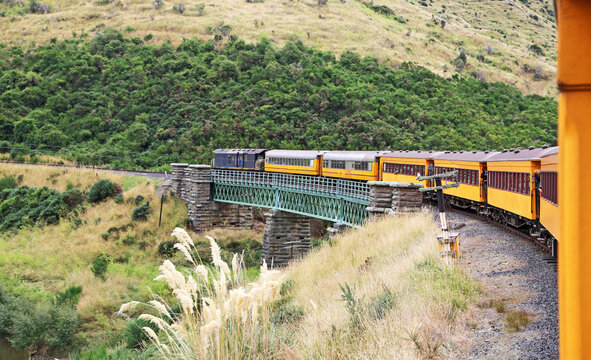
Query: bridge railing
{"points": [[312, 184], [338, 200]]}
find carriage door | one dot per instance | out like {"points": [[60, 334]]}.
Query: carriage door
{"points": [[538, 186], [483, 183], [240, 162]]}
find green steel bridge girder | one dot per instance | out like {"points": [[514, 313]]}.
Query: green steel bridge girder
{"points": [[342, 209]]}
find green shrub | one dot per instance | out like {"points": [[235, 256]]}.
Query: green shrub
{"points": [[118, 199], [29, 326], [166, 248], [138, 199], [102, 190], [286, 287], [380, 304], [141, 213], [99, 265], [73, 198], [106, 236], [287, 314], [128, 240], [134, 335], [70, 297], [249, 247], [348, 114], [354, 307], [29, 206], [8, 182]]}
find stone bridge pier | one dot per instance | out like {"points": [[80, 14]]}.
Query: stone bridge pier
{"points": [[193, 185], [287, 237]]}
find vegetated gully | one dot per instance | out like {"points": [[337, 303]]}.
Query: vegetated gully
{"points": [[7, 352], [515, 278]]}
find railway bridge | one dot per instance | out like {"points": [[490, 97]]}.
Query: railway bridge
{"points": [[217, 197]]}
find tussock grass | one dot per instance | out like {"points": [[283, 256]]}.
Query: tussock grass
{"points": [[498, 305], [517, 320], [391, 265]]}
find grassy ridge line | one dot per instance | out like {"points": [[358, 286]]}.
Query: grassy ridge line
{"points": [[508, 27]]}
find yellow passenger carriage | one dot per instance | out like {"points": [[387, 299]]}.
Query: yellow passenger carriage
{"points": [[404, 166], [470, 166], [305, 162], [511, 184], [356, 165], [549, 193]]}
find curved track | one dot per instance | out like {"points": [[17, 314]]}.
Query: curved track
{"points": [[149, 174]]}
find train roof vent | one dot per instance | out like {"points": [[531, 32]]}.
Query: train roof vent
{"points": [[474, 151], [511, 149], [531, 147], [447, 151], [517, 150], [505, 150], [545, 146], [486, 151], [461, 151]]}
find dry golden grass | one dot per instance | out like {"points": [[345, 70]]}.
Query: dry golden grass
{"points": [[56, 177], [394, 253], [339, 26], [39, 159]]}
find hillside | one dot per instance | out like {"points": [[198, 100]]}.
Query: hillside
{"points": [[116, 100], [510, 41], [39, 260]]}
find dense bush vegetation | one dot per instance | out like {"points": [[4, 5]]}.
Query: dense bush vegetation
{"points": [[31, 326], [102, 190], [141, 212], [29, 206], [7, 182], [138, 105]]}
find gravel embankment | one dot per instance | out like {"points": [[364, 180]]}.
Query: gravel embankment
{"points": [[513, 272]]}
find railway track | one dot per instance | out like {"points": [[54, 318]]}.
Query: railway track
{"points": [[550, 260], [144, 173]]}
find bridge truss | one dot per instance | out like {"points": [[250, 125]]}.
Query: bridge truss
{"points": [[342, 201]]}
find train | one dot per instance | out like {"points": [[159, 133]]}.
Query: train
{"points": [[516, 187]]}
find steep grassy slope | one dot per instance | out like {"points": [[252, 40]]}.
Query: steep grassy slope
{"points": [[37, 262], [510, 41]]}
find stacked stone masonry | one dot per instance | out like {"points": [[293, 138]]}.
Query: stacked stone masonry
{"points": [[387, 197], [287, 237], [192, 184]]}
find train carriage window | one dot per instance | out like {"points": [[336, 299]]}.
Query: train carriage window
{"points": [[402, 169], [362, 165], [549, 183]]}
